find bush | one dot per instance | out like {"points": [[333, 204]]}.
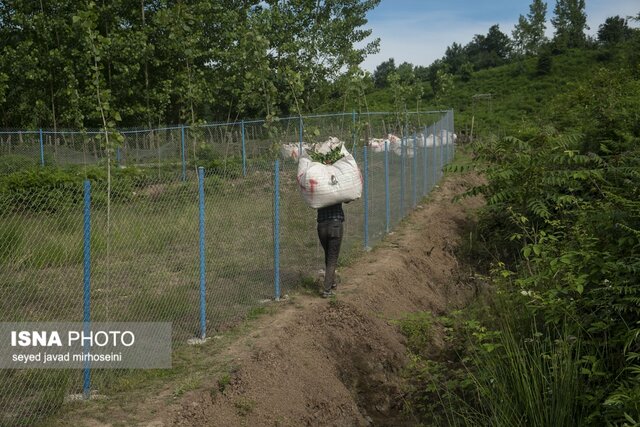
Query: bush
{"points": [[52, 189], [568, 223], [40, 190], [227, 167], [14, 162]]}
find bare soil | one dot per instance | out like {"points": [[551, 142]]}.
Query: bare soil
{"points": [[334, 362]]}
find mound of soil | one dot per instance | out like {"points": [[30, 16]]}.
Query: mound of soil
{"points": [[339, 362], [336, 362]]}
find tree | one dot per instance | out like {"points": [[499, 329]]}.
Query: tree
{"points": [[570, 22], [406, 74], [421, 73], [498, 42], [528, 34], [169, 61], [455, 57], [466, 71], [404, 89], [382, 72], [490, 50], [315, 40], [443, 84], [614, 30], [352, 87]]}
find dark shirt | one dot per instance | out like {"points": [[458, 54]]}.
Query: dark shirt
{"points": [[330, 213]]}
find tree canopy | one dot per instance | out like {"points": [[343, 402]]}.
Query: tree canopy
{"points": [[170, 61], [570, 21], [614, 30], [528, 34]]}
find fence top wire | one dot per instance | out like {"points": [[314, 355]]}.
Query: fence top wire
{"points": [[90, 132]]}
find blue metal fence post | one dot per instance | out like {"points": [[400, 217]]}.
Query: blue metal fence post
{"points": [[86, 314], [203, 311], [442, 123], [117, 156], [445, 154], [276, 229], [449, 137], [301, 127], [413, 170], [445, 134], [41, 148], [366, 197], [402, 175], [387, 202], [453, 129], [449, 125], [353, 124], [353, 135], [434, 155], [184, 166], [425, 168], [244, 152]]}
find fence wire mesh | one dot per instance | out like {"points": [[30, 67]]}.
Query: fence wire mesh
{"points": [[148, 224]]}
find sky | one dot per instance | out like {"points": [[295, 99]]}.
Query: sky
{"points": [[419, 31]]}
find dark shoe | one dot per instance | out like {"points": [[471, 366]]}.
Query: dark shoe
{"points": [[334, 286], [328, 294]]}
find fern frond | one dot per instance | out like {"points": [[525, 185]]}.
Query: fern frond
{"points": [[539, 208]]}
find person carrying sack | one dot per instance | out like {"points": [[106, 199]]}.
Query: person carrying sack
{"points": [[327, 178]]}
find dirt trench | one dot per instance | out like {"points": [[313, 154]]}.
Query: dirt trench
{"points": [[337, 362]]}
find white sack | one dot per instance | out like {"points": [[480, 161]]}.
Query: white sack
{"points": [[408, 148], [325, 185], [448, 137], [429, 141], [394, 142], [291, 151], [377, 144], [327, 146]]}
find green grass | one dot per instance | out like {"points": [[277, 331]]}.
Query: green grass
{"points": [[527, 381], [244, 406]]}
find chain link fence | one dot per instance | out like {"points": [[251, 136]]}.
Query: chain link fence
{"points": [[191, 225]]}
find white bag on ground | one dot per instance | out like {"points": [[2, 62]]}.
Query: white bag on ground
{"points": [[376, 145], [325, 185], [290, 151]]}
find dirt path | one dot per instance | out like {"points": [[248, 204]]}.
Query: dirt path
{"points": [[330, 362]]}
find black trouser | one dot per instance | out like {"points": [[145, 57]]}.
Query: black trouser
{"points": [[330, 234]]}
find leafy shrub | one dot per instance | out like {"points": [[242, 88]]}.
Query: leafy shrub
{"points": [[51, 189], [227, 167], [40, 190], [14, 163], [567, 222]]}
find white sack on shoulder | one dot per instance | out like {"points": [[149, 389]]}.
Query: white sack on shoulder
{"points": [[325, 185], [327, 146]]}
